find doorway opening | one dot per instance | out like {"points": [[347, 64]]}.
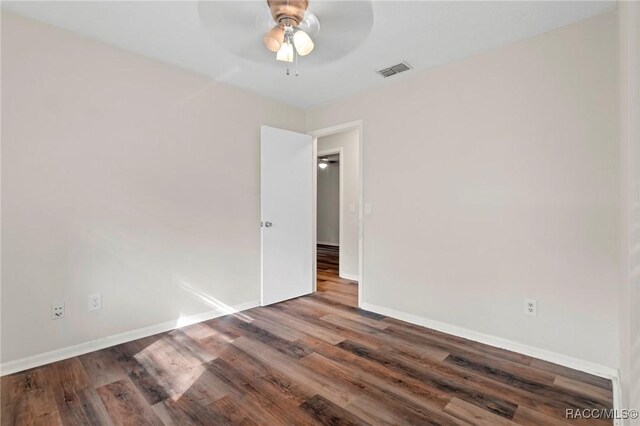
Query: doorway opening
{"points": [[338, 214]]}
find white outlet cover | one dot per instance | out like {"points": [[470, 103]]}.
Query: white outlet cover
{"points": [[95, 302], [531, 307], [57, 310]]}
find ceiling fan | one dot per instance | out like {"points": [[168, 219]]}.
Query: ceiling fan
{"points": [[246, 25], [324, 162], [288, 37]]}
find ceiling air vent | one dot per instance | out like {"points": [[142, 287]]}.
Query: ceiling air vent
{"points": [[394, 69]]}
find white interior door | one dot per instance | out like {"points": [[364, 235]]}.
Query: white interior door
{"points": [[287, 209]]}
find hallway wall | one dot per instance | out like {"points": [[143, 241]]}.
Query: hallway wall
{"points": [[328, 205]]}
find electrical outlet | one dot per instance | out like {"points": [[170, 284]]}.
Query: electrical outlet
{"points": [[57, 310], [95, 302], [531, 307]]}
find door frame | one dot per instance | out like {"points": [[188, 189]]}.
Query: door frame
{"points": [[340, 153], [326, 131]]}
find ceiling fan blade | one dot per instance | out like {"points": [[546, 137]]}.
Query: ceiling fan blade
{"points": [[310, 24]]}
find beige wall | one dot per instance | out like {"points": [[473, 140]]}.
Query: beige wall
{"points": [[123, 176], [348, 141], [328, 205], [494, 179]]}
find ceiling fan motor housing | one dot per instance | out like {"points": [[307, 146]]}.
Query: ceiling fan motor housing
{"points": [[288, 12]]}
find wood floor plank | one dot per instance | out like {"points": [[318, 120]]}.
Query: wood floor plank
{"points": [[235, 413], [199, 331], [588, 390], [528, 417], [244, 363], [474, 414], [192, 350], [305, 327], [343, 313], [455, 388], [125, 404], [404, 410], [328, 413], [102, 367], [77, 401], [258, 396], [339, 392], [568, 396], [317, 297], [287, 333], [187, 410], [30, 399], [337, 298], [292, 349], [454, 341], [313, 318], [80, 406], [376, 413], [217, 342], [347, 289], [152, 384], [378, 338], [383, 377], [507, 368], [316, 359], [572, 374], [343, 321], [287, 388], [484, 384]]}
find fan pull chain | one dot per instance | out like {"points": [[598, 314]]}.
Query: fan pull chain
{"points": [[295, 59]]}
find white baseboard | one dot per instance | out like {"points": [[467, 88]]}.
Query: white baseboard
{"points": [[323, 243], [350, 277], [543, 354], [116, 339], [617, 398]]}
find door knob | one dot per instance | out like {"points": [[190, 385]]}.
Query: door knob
{"points": [[268, 224]]}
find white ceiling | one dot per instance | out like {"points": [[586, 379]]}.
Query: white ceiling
{"points": [[222, 40]]}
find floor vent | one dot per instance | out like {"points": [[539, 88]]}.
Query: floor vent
{"points": [[394, 69]]}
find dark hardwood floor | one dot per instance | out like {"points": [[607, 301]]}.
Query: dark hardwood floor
{"points": [[312, 360]]}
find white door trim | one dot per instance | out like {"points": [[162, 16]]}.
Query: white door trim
{"points": [[358, 124]]}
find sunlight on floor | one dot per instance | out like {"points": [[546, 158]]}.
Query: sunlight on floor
{"points": [[212, 302], [166, 364]]}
